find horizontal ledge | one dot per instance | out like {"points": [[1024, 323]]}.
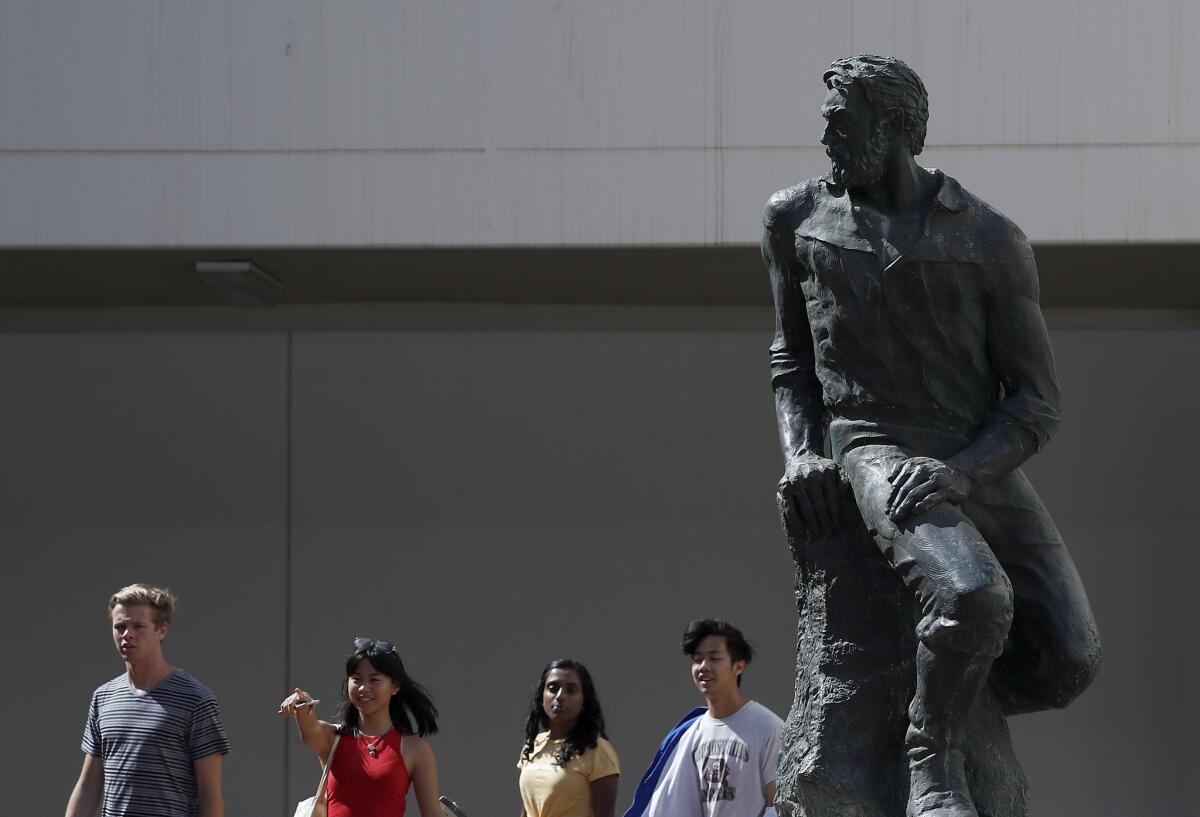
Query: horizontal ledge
{"points": [[480, 149], [1073, 276], [435, 317]]}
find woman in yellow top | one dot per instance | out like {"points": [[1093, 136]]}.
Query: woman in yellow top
{"points": [[568, 767]]}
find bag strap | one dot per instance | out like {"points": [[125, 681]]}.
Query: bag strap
{"points": [[329, 762]]}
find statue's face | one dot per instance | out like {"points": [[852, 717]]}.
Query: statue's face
{"points": [[854, 141]]}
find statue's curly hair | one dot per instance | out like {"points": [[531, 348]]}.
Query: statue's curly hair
{"points": [[890, 86]]}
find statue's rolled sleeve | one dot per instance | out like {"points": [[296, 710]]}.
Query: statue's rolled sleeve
{"points": [[1019, 346], [792, 359], [791, 350]]}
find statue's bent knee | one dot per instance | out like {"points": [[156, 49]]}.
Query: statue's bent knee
{"points": [[1069, 674], [972, 620]]}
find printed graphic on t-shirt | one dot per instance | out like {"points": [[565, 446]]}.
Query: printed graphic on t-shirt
{"points": [[718, 761]]}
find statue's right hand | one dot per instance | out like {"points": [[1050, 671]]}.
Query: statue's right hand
{"points": [[812, 489], [291, 705]]}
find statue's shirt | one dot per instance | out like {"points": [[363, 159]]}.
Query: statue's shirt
{"points": [[948, 335]]}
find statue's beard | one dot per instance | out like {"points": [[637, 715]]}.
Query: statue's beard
{"points": [[862, 168]]}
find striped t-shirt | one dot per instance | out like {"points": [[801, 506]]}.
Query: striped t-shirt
{"points": [[148, 741]]}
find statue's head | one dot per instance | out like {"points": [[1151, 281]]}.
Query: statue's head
{"points": [[874, 105]]}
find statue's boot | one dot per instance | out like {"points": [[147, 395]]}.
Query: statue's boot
{"points": [[947, 685]]}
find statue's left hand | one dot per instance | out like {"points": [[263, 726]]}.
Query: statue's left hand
{"points": [[920, 483]]}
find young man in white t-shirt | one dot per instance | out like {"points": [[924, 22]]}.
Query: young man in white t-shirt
{"points": [[724, 763]]}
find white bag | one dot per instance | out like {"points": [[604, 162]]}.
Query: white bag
{"points": [[315, 806]]}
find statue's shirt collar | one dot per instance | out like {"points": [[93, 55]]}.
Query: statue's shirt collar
{"points": [[944, 238]]}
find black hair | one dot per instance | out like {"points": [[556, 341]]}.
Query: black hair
{"points": [[412, 698], [889, 85], [737, 645], [586, 732]]}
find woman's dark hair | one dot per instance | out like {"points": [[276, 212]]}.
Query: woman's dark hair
{"points": [[735, 643], [587, 730], [411, 699]]}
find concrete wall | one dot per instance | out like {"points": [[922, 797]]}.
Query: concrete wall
{"points": [[494, 499], [500, 122]]}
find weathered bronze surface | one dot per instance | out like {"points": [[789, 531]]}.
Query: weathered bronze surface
{"points": [[912, 375]]}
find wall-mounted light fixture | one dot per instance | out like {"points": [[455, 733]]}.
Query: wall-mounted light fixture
{"points": [[239, 282]]}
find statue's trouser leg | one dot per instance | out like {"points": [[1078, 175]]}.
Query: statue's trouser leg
{"points": [[965, 606], [947, 684], [990, 578], [1052, 652]]}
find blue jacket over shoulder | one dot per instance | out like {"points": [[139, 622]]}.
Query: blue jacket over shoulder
{"points": [[649, 782]]}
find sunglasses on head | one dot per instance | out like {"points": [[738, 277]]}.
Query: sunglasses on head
{"points": [[372, 645]]}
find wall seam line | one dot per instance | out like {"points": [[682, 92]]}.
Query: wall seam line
{"points": [[287, 552]]}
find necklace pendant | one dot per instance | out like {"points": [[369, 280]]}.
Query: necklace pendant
{"points": [[373, 750]]}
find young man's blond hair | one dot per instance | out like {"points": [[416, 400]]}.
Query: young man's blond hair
{"points": [[158, 598]]}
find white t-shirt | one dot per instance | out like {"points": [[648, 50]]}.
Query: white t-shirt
{"points": [[720, 767]]}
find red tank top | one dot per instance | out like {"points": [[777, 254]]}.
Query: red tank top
{"points": [[360, 785]]}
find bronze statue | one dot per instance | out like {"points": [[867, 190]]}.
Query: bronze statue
{"points": [[910, 340]]}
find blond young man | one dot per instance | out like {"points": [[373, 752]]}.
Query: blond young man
{"points": [[153, 741]]}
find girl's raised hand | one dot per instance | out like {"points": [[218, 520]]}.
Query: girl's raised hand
{"points": [[299, 701]]}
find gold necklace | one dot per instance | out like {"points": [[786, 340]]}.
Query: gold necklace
{"points": [[373, 748]]}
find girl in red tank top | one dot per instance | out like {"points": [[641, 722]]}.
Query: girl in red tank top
{"points": [[382, 751], [369, 777]]}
